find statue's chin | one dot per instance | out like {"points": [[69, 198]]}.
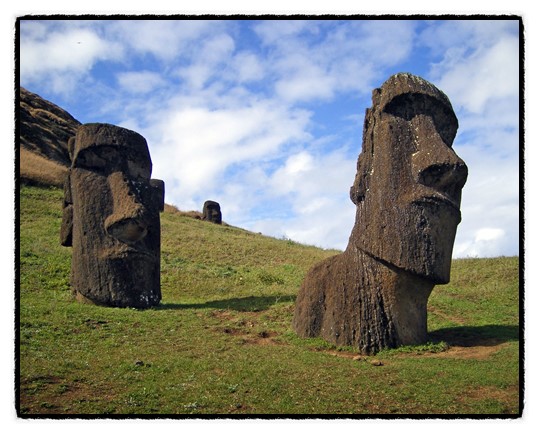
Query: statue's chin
{"points": [[127, 279], [417, 238]]}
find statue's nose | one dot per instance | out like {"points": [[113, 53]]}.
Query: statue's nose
{"points": [[128, 230], [442, 176], [437, 166], [126, 223]]}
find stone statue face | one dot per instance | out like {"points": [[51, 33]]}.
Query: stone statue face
{"points": [[212, 212], [409, 181], [115, 218]]}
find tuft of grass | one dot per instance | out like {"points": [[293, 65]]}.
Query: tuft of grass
{"points": [[221, 341], [429, 347]]}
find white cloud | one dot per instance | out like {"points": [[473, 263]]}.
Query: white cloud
{"points": [[489, 234], [276, 31], [247, 67], [197, 145], [325, 222], [461, 36], [290, 178], [59, 55], [386, 42], [316, 60], [306, 83], [74, 51], [302, 162], [315, 188], [34, 30], [493, 241], [140, 82], [213, 53], [329, 227], [483, 77], [167, 40]]}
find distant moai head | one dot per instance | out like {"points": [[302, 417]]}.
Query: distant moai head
{"points": [[409, 180], [212, 212], [111, 218]]}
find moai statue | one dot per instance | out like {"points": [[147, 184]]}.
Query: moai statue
{"points": [[212, 212], [111, 218], [407, 194]]}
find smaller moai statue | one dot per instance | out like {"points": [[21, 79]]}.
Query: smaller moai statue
{"points": [[111, 218], [212, 212]]}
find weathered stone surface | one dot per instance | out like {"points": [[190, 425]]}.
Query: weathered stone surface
{"points": [[111, 218], [407, 194], [212, 212], [44, 129]]}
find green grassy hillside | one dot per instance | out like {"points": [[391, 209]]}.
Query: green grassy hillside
{"points": [[221, 340]]}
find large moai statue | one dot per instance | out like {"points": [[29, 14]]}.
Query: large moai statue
{"points": [[407, 194], [211, 212], [111, 218]]}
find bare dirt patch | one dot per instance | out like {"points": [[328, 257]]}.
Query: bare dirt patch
{"points": [[54, 395], [354, 356], [479, 352], [470, 352], [261, 338], [507, 397], [342, 354], [221, 314], [245, 327], [232, 331], [251, 337]]}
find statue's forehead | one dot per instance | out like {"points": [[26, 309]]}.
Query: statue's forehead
{"points": [[126, 150], [403, 85], [97, 137], [405, 96]]}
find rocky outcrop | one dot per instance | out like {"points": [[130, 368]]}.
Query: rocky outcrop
{"points": [[44, 130]]}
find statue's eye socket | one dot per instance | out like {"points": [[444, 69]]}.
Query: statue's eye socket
{"points": [[108, 159], [98, 158], [90, 161], [139, 169], [408, 106]]}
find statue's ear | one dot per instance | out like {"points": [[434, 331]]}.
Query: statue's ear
{"points": [[364, 162], [158, 187], [359, 188], [71, 146], [66, 230]]}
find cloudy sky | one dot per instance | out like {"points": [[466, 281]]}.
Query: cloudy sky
{"points": [[266, 117]]}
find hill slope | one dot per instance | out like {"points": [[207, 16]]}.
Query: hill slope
{"points": [[221, 341], [44, 131]]}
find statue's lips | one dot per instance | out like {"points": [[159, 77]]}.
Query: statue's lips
{"points": [[439, 200], [128, 252]]}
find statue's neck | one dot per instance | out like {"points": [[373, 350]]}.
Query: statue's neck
{"points": [[404, 295]]}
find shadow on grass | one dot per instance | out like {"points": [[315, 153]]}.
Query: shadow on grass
{"points": [[242, 304], [471, 336]]}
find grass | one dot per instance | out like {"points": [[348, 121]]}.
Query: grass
{"points": [[221, 340], [35, 168]]}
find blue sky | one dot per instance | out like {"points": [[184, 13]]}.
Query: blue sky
{"points": [[266, 117]]}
